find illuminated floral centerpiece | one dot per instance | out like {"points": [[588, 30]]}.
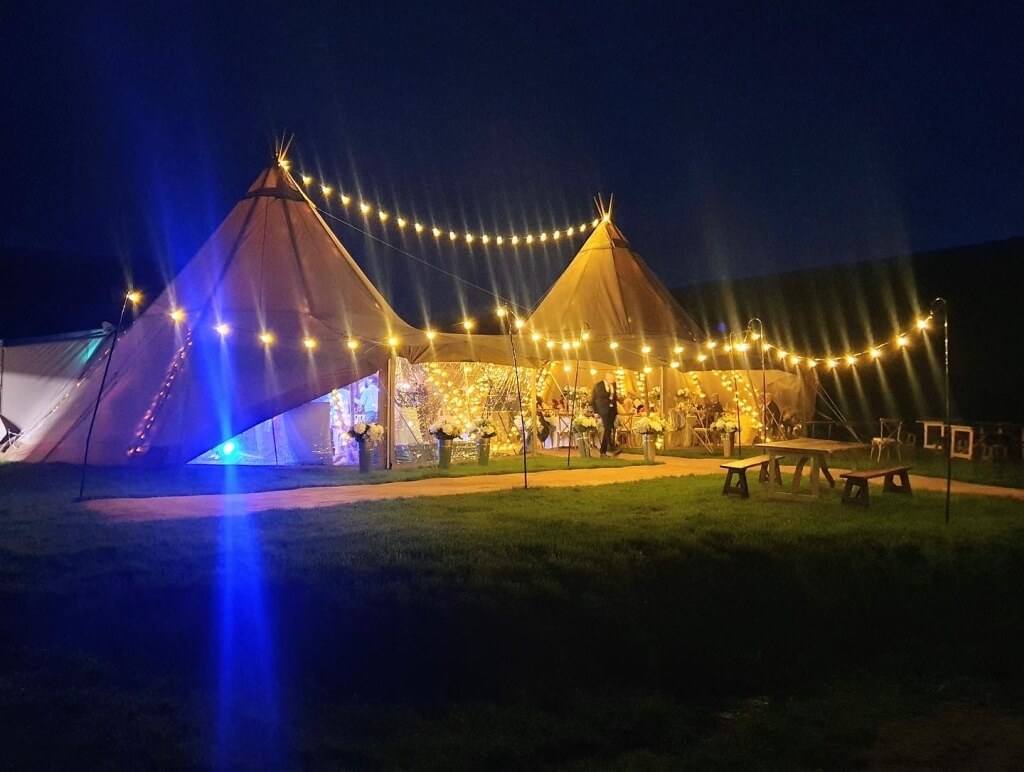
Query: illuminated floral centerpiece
{"points": [[726, 427], [584, 426], [650, 428], [368, 435], [444, 431], [484, 430]]}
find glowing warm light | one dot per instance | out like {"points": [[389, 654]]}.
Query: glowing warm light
{"points": [[648, 369], [346, 199], [702, 357], [782, 354], [922, 324], [794, 360], [742, 346], [756, 336], [875, 353], [222, 329], [309, 343], [607, 218], [177, 315], [569, 232], [565, 345], [645, 349], [535, 337], [585, 335], [352, 343], [543, 237], [515, 240], [418, 227], [529, 239], [674, 365], [812, 363], [364, 207], [901, 340], [520, 324], [266, 338], [566, 368], [452, 235], [677, 350], [831, 364], [575, 344], [851, 359], [485, 239], [728, 348], [383, 215], [550, 344], [594, 223], [392, 341], [500, 312], [468, 324], [436, 232], [307, 180], [613, 345], [134, 297], [499, 240], [325, 189], [593, 371], [469, 238], [556, 234]]}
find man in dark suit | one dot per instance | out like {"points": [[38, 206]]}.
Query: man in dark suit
{"points": [[605, 404]]}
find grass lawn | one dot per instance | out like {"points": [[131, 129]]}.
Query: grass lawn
{"points": [[654, 625], [104, 482], [1007, 474]]}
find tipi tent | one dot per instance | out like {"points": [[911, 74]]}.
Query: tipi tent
{"points": [[269, 314]]}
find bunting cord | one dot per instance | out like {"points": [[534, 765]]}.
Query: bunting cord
{"points": [[439, 269]]}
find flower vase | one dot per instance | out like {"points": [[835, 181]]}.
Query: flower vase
{"points": [[483, 451], [365, 457], [583, 443], [650, 447], [444, 454], [727, 444]]}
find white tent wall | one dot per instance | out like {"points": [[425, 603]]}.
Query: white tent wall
{"points": [[36, 375]]}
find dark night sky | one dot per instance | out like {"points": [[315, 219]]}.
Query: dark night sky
{"points": [[737, 138]]}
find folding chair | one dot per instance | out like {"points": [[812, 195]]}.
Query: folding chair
{"points": [[890, 432]]}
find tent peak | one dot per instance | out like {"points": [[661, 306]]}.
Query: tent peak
{"points": [[604, 212]]}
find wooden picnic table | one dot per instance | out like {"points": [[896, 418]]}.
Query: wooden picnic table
{"points": [[817, 452]]}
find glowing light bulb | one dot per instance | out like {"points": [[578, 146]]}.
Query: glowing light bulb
{"points": [[418, 227], [468, 324], [812, 363], [307, 180], [436, 232], [520, 324], [550, 344], [309, 343], [575, 344], [556, 235], [134, 297], [352, 343], [569, 231], [727, 348], [701, 357], [431, 334], [499, 240], [585, 335], [266, 338], [645, 349], [850, 359], [392, 341], [566, 368], [325, 189], [469, 238], [712, 343], [452, 235], [742, 346], [831, 364], [543, 237], [647, 370], [613, 345], [346, 199], [565, 345], [177, 315], [677, 350], [593, 371], [485, 239], [901, 340], [922, 324], [222, 329], [515, 240], [794, 359], [875, 353], [500, 312], [529, 239], [535, 337], [383, 215], [594, 223], [673, 364]]}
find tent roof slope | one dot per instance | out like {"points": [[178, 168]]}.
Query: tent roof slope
{"points": [[609, 288]]}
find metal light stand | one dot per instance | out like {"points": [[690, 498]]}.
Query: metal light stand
{"points": [[128, 298], [949, 428], [572, 403], [764, 376], [506, 316]]}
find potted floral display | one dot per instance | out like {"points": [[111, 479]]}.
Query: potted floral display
{"points": [[444, 431], [584, 426], [650, 428], [726, 427], [367, 435], [484, 430]]}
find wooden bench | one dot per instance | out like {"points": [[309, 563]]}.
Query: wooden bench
{"points": [[859, 481], [738, 469]]}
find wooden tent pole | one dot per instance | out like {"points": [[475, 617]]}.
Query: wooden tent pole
{"points": [[389, 414]]}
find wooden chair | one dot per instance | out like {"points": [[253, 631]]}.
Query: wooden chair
{"points": [[890, 432]]}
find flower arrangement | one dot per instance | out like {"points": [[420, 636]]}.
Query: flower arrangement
{"points": [[727, 425], [366, 432], [651, 424], [484, 429], [584, 423], [445, 429], [682, 394], [654, 392], [583, 394]]}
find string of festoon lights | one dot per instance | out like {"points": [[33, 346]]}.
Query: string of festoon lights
{"points": [[506, 237]]}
